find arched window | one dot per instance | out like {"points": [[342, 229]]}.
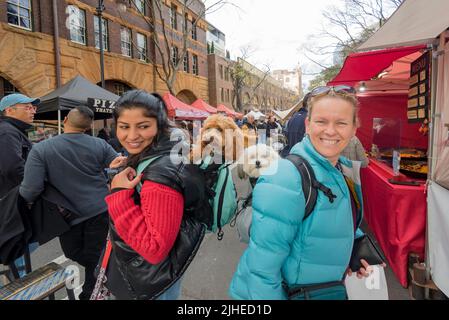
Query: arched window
{"points": [[6, 87], [116, 87]]}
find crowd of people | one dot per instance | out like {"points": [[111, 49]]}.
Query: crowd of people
{"points": [[141, 220]]}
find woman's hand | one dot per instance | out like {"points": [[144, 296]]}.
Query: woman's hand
{"points": [[118, 162], [365, 270], [126, 179]]}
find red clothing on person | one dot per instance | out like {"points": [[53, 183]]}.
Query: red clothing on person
{"points": [[151, 228]]}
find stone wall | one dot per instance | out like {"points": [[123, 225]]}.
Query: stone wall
{"points": [[27, 61]]}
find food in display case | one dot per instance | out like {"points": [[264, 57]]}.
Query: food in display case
{"points": [[414, 169], [415, 154]]}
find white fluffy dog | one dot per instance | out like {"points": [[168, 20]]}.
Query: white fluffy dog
{"points": [[255, 161]]}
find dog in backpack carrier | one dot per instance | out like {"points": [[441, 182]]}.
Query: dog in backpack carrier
{"points": [[256, 160], [220, 138]]}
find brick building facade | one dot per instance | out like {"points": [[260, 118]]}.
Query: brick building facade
{"points": [[269, 95], [27, 54]]}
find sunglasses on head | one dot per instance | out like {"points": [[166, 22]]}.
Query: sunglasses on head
{"points": [[341, 89]]}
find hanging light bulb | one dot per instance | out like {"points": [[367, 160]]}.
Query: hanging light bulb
{"points": [[362, 87]]}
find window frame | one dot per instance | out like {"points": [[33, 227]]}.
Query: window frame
{"points": [[84, 35], [105, 33], [174, 17], [194, 32], [130, 35], [186, 64], [18, 6], [139, 48], [195, 65], [139, 5]]}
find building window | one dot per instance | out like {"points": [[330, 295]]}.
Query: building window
{"points": [[8, 87], [174, 55], [222, 94], [142, 47], [194, 33], [186, 62], [120, 88], [125, 36], [221, 71], [140, 5], [77, 23], [186, 21], [227, 95], [19, 13], [174, 17], [227, 74], [195, 70], [104, 31]]}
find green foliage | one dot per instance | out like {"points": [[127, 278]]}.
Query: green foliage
{"points": [[325, 76]]}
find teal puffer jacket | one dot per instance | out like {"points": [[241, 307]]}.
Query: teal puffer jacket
{"points": [[283, 248]]}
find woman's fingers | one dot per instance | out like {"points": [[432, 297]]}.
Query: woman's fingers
{"points": [[365, 270], [126, 179], [118, 162]]}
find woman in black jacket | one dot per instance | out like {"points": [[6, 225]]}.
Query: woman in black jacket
{"points": [[154, 232]]}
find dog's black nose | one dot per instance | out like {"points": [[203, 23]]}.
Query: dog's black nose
{"points": [[258, 164]]}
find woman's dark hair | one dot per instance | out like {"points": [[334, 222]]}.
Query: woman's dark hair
{"points": [[152, 105]]}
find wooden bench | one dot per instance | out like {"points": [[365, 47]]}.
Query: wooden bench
{"points": [[39, 284]]}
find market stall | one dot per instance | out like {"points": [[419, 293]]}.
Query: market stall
{"points": [[181, 111], [202, 105], [414, 23], [76, 92], [226, 111]]}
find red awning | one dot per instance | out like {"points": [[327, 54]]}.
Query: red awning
{"points": [[202, 105], [180, 110], [223, 109], [367, 65]]}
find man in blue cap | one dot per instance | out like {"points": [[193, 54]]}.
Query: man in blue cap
{"points": [[16, 116]]}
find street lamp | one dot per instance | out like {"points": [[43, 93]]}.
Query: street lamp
{"points": [[100, 10]]}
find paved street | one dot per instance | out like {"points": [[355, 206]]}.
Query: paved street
{"points": [[210, 273]]}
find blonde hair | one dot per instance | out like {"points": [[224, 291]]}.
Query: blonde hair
{"points": [[352, 99]]}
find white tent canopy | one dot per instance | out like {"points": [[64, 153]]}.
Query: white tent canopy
{"points": [[283, 115], [257, 114], [415, 22]]}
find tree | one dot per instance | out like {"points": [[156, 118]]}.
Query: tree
{"points": [[348, 25], [172, 48], [245, 77]]}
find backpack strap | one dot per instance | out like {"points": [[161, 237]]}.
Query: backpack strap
{"points": [[142, 166], [310, 185]]}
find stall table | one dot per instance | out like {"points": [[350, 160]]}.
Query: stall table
{"points": [[396, 214]]}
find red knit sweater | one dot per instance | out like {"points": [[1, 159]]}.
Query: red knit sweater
{"points": [[151, 228]]}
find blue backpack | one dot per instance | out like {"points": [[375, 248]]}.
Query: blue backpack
{"points": [[221, 194], [309, 185]]}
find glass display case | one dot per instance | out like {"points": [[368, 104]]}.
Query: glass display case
{"points": [[387, 139]]}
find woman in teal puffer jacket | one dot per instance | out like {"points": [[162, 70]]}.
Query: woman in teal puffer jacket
{"points": [[285, 251]]}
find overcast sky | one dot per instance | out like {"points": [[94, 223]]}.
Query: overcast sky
{"points": [[275, 30]]}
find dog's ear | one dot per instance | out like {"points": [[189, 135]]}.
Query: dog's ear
{"points": [[242, 174]]}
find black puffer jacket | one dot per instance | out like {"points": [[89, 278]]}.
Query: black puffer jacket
{"points": [[14, 146], [129, 275]]}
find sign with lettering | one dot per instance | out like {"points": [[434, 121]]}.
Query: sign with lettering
{"points": [[419, 92], [100, 105]]}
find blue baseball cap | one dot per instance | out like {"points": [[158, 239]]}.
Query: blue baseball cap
{"points": [[16, 98]]}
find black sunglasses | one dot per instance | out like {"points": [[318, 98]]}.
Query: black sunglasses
{"points": [[323, 90]]}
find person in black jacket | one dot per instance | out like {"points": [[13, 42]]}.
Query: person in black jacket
{"points": [[16, 116], [154, 232], [296, 127]]}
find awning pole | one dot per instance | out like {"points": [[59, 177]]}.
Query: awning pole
{"points": [[432, 124], [59, 121]]}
